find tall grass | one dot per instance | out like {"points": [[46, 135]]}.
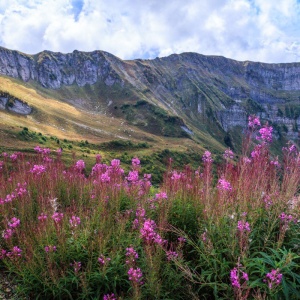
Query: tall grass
{"points": [[110, 235]]}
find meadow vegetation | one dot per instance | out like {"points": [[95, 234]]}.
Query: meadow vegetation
{"points": [[220, 231]]}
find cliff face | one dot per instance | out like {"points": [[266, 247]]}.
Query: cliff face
{"points": [[53, 70], [199, 89]]}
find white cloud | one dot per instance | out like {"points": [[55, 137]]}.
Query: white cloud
{"points": [[259, 30]]}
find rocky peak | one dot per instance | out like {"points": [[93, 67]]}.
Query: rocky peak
{"points": [[54, 69]]}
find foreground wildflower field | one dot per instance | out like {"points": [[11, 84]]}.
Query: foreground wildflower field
{"points": [[230, 231]]}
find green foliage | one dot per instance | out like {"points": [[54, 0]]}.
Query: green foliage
{"points": [[123, 145], [191, 235]]}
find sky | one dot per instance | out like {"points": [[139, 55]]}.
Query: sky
{"points": [[256, 30]]}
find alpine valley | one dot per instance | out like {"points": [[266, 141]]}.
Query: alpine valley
{"points": [[183, 103]]}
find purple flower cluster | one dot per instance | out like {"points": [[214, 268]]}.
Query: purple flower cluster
{"points": [[57, 217], [109, 297], [80, 165], [181, 240], [224, 185], [161, 196], [50, 249], [103, 260], [135, 275], [133, 176], [38, 169], [15, 253], [265, 134], [131, 255], [135, 162], [7, 234], [14, 156], [206, 158], [256, 152], [171, 255], [235, 278], [115, 163], [74, 221], [45, 151], [273, 278], [286, 218], [243, 226], [14, 223], [228, 154], [253, 121], [76, 266], [42, 217], [148, 233]]}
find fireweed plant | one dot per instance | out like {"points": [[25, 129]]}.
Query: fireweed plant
{"points": [[111, 235]]}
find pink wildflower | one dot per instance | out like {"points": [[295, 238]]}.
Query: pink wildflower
{"points": [[115, 163], [135, 162], [74, 221], [181, 240], [3, 254], [285, 218], [175, 175], [80, 165], [206, 158], [275, 163], [243, 226], [161, 195], [171, 255], [235, 277], [228, 154], [14, 157], [140, 212], [253, 121], [266, 134], [131, 255], [103, 260], [77, 266], [148, 233], [42, 217], [273, 278], [14, 222], [256, 152], [98, 158], [135, 275], [15, 253], [105, 177], [7, 234], [38, 169], [292, 148], [224, 185], [57, 217], [50, 249], [133, 176], [109, 297]]}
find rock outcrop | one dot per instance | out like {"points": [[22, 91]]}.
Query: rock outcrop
{"points": [[12, 104]]}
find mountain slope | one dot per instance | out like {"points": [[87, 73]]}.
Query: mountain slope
{"points": [[188, 96]]}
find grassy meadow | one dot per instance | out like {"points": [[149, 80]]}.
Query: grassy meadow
{"points": [[225, 230]]}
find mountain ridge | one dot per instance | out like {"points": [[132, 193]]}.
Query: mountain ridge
{"points": [[194, 92]]}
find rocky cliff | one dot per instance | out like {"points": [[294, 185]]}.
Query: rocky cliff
{"points": [[207, 92]]}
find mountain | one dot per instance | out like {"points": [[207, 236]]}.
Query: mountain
{"points": [[198, 99]]}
